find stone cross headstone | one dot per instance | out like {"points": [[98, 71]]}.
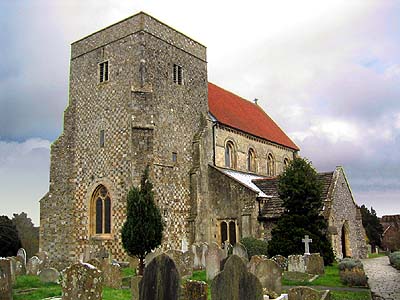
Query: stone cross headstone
{"points": [[82, 281], [235, 282], [270, 275], [5, 279], [185, 245], [49, 275], [296, 263], [22, 253], [33, 266], [213, 260], [306, 242], [241, 251], [160, 280]]}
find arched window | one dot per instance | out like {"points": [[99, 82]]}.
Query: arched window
{"points": [[270, 165], [251, 161], [101, 211], [285, 162], [229, 155]]}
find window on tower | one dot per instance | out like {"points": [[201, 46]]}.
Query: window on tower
{"points": [[178, 74], [103, 71]]}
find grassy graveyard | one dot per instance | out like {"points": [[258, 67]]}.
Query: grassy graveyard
{"points": [[30, 288]]}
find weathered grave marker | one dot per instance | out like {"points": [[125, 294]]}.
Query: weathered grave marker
{"points": [[49, 275], [270, 275], [195, 290], [5, 279], [82, 281], [160, 280], [314, 264], [33, 266], [213, 259], [241, 251], [235, 282], [296, 263]]}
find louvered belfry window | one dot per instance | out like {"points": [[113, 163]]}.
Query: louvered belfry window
{"points": [[178, 74], [103, 72]]}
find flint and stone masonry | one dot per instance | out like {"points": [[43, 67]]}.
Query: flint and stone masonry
{"points": [[138, 96]]}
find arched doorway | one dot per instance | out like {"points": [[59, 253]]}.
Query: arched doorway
{"points": [[345, 239]]}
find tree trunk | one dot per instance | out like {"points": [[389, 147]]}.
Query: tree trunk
{"points": [[141, 266]]}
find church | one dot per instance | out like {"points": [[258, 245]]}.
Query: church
{"points": [[138, 96]]}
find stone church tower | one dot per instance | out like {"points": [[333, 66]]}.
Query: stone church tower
{"points": [[137, 97]]}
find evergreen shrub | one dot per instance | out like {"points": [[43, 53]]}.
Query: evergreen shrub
{"points": [[255, 246]]}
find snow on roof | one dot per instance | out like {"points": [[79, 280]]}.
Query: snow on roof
{"points": [[246, 180]]}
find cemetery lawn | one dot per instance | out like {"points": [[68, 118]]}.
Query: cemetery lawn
{"points": [[330, 278], [375, 255], [30, 288]]}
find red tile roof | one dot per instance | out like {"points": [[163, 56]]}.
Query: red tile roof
{"points": [[234, 111]]}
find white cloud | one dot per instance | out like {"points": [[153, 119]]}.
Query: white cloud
{"points": [[24, 176]]}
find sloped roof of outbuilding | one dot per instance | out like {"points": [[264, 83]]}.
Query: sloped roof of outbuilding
{"points": [[236, 112], [273, 206]]}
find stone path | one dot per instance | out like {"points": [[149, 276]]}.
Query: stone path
{"points": [[383, 279]]}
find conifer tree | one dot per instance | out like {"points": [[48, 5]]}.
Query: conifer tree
{"points": [[9, 238], [142, 230], [300, 190], [373, 227]]}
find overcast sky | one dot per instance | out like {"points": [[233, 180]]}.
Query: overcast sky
{"points": [[328, 72]]}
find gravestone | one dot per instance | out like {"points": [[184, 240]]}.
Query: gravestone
{"points": [[204, 254], [184, 245], [149, 257], [13, 267], [135, 281], [5, 279], [160, 280], [49, 275], [281, 261], [235, 282], [270, 275], [254, 261], [303, 293], [33, 266], [241, 251], [227, 248], [195, 290], [213, 260], [19, 266], [296, 263], [314, 264], [306, 242], [44, 258], [183, 261], [81, 281], [96, 263], [133, 262], [112, 275], [199, 251], [22, 254]]}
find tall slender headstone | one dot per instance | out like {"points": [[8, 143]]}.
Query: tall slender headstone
{"points": [[213, 260], [5, 279]]}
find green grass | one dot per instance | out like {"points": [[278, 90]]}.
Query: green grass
{"points": [[342, 295], [30, 288], [126, 272], [375, 255], [330, 278], [202, 276]]}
